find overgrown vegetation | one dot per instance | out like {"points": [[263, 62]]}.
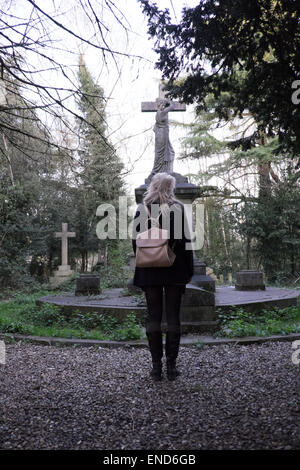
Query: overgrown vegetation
{"points": [[237, 322], [22, 315]]}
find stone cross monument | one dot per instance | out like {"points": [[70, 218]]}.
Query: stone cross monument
{"points": [[152, 106], [164, 152], [185, 191], [64, 270], [64, 235]]}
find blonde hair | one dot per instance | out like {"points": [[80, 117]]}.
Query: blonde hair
{"points": [[161, 190]]}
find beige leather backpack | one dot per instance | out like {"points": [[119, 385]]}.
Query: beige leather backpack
{"points": [[152, 249]]}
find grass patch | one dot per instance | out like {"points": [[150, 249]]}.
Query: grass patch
{"points": [[238, 322], [21, 315]]}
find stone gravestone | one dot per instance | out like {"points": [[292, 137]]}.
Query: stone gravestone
{"points": [[88, 284], [64, 271], [249, 279]]}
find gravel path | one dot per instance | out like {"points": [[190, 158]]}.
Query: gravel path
{"points": [[228, 397]]}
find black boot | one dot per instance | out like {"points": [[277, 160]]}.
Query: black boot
{"points": [[172, 371], [156, 371], [156, 350], [172, 348]]}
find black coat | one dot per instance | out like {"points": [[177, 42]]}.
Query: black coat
{"points": [[183, 267]]}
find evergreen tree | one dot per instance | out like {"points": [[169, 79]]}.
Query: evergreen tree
{"points": [[264, 180], [99, 169], [25, 159], [214, 39]]}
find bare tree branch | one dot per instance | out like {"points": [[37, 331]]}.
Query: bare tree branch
{"points": [[32, 73]]}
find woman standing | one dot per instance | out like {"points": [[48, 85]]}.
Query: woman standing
{"points": [[160, 201]]}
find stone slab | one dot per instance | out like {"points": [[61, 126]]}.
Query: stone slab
{"points": [[255, 301], [224, 296]]}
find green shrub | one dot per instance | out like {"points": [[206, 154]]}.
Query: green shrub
{"points": [[67, 286], [22, 315], [43, 315], [238, 322], [108, 323], [91, 320], [129, 329], [14, 327]]}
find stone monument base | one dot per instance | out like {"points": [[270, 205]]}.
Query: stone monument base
{"points": [[200, 278], [180, 179], [186, 192], [63, 274]]}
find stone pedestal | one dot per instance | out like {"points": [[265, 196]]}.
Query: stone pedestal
{"points": [[186, 192], [249, 279], [197, 311], [200, 278], [198, 308], [63, 274], [88, 284]]}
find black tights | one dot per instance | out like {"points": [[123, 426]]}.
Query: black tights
{"points": [[154, 298]]}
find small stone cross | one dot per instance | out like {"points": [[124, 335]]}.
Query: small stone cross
{"points": [[64, 235], [151, 106]]}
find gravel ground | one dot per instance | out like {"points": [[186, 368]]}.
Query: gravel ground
{"points": [[228, 397]]}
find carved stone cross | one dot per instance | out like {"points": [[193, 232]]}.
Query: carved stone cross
{"points": [[64, 235], [151, 106], [163, 152]]}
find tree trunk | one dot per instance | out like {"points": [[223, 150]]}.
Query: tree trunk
{"points": [[83, 262]]}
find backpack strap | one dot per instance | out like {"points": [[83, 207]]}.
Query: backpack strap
{"points": [[156, 221], [150, 217]]}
